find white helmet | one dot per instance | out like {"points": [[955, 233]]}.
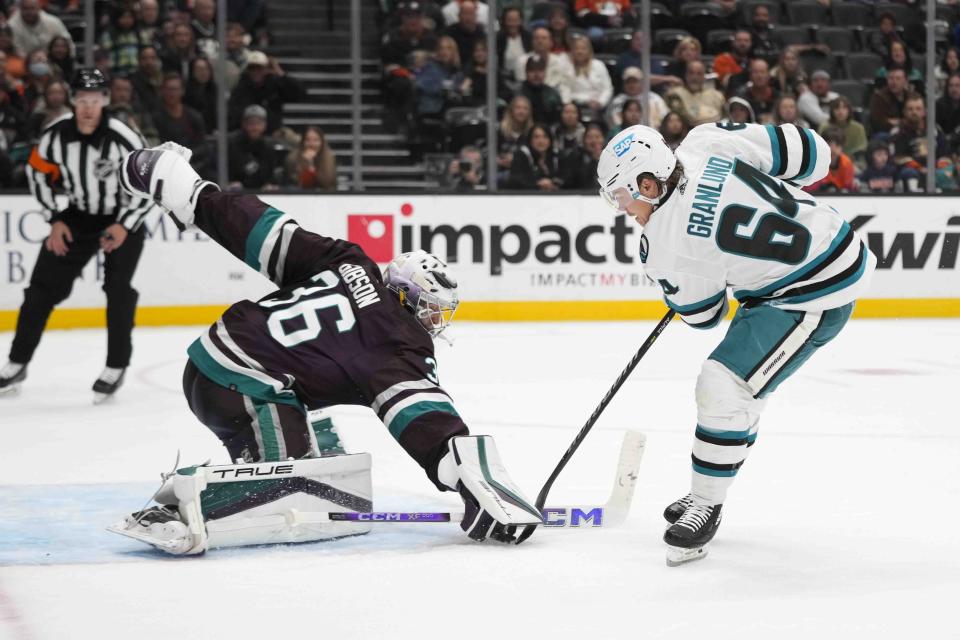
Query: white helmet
{"points": [[629, 154], [425, 286]]}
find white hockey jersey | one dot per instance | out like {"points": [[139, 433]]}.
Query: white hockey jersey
{"points": [[737, 220]]}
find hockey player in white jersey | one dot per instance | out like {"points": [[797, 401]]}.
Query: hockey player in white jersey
{"points": [[726, 211]]}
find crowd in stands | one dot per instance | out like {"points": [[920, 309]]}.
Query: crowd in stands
{"points": [[159, 57], [570, 77]]}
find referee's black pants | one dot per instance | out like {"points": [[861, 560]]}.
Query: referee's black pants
{"points": [[52, 280]]}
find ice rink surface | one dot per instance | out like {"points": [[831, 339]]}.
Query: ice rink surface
{"points": [[843, 523]]}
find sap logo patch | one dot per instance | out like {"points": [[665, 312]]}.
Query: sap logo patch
{"points": [[621, 148]]}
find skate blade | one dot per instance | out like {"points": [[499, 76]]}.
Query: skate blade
{"points": [[100, 398], [677, 556], [173, 547], [10, 391]]}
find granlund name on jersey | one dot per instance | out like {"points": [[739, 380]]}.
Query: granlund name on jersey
{"points": [[740, 220]]}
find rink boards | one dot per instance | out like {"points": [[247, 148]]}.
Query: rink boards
{"points": [[517, 257]]}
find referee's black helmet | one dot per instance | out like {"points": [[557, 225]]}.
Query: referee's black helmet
{"points": [[88, 80]]}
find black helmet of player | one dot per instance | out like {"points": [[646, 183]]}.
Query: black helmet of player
{"points": [[425, 287]]}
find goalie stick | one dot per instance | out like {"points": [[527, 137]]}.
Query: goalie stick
{"points": [[542, 498]]}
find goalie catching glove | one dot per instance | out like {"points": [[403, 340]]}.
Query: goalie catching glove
{"points": [[493, 505], [163, 174]]}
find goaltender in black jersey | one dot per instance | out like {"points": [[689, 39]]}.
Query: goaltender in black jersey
{"points": [[335, 331]]}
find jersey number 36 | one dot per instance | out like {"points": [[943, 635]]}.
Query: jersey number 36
{"points": [[304, 310]]}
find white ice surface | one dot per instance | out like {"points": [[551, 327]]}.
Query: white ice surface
{"points": [[843, 523]]}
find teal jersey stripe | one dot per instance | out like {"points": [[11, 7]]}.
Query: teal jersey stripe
{"points": [[703, 304], [813, 154], [258, 234], [800, 273], [837, 287], [713, 472], [238, 381], [414, 411], [724, 435], [776, 169]]}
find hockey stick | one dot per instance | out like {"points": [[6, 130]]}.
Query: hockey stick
{"points": [[542, 497]]}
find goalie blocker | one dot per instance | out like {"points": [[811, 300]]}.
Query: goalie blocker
{"points": [[204, 507]]}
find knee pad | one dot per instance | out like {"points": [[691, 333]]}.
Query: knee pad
{"points": [[724, 401]]}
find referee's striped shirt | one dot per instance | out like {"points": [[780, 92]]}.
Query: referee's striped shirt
{"points": [[86, 169]]}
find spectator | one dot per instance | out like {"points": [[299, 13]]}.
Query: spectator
{"points": [[881, 174], [13, 115], [559, 23], [467, 30], [687, 50], [579, 164], [785, 112], [598, 15], [899, 56], [250, 14], [633, 90], [886, 105], [176, 121], [264, 83], [854, 135], [148, 21], [55, 99], [879, 42], [568, 133], [788, 75], [204, 28], [841, 176], [474, 87], [147, 79], [592, 88], [201, 93], [735, 61], [251, 160], [739, 111], [694, 101], [33, 28], [451, 12], [815, 104], [559, 69], [535, 165], [631, 114], [948, 109], [910, 140], [466, 173], [122, 41], [10, 87], [183, 50], [544, 100], [439, 83], [16, 65], [633, 57], [312, 165], [767, 44], [760, 92], [398, 45], [515, 125], [39, 73], [673, 129], [949, 65], [61, 57], [236, 52], [513, 40], [124, 107]]}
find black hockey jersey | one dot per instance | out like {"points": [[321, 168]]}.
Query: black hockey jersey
{"points": [[331, 334]]}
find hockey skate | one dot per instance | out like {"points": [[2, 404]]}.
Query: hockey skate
{"points": [[159, 526], [674, 510], [688, 537], [107, 384], [11, 376]]}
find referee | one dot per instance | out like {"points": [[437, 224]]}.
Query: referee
{"points": [[79, 155]]}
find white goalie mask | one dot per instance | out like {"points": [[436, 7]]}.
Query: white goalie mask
{"points": [[633, 152], [426, 287]]}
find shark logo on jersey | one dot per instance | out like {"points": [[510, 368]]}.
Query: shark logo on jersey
{"points": [[668, 288], [623, 146], [644, 248]]}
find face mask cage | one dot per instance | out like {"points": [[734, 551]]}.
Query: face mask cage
{"points": [[618, 199], [433, 313]]}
